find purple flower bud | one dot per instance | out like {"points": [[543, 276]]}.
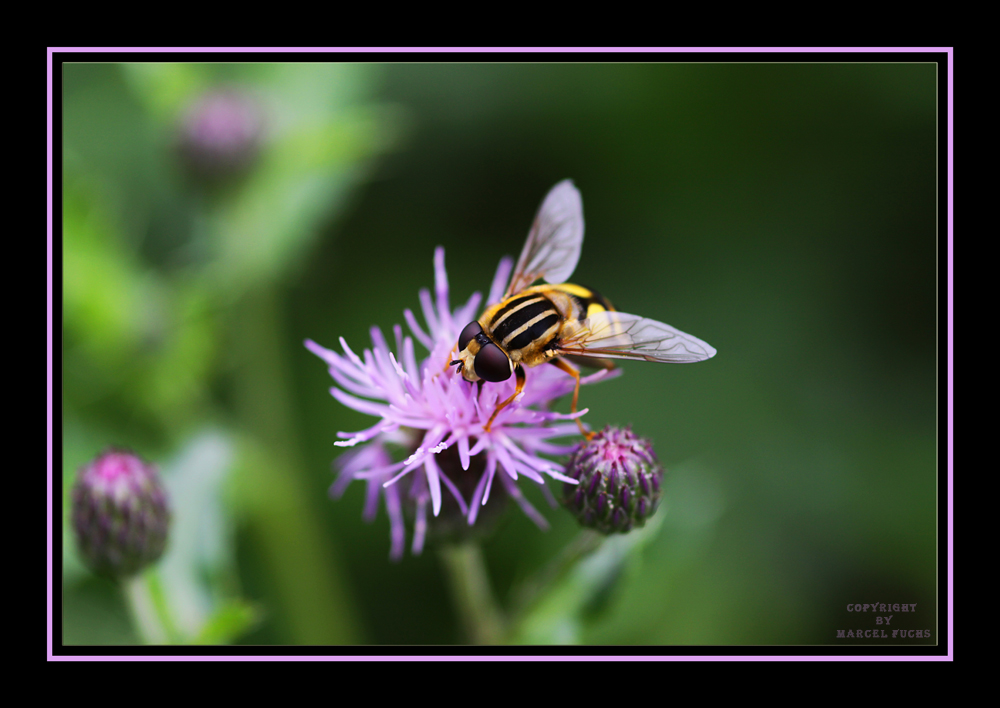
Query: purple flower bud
{"points": [[120, 513], [619, 481], [220, 133]]}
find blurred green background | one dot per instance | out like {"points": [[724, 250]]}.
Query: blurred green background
{"points": [[785, 213]]}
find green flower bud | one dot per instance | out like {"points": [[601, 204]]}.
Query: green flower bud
{"points": [[120, 513], [619, 481]]}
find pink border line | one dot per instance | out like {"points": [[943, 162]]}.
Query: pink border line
{"points": [[951, 354], [48, 349], [500, 657], [510, 50]]}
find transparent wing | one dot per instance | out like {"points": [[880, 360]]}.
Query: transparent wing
{"points": [[553, 247], [618, 335]]}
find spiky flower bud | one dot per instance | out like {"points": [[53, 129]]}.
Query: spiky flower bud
{"points": [[619, 479], [120, 513], [220, 133]]}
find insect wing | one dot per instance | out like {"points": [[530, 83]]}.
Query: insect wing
{"points": [[619, 335], [554, 242]]}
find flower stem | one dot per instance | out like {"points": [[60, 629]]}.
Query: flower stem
{"points": [[311, 593], [146, 617], [479, 613]]}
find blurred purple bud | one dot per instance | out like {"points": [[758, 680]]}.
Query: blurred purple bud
{"points": [[220, 133], [120, 513]]}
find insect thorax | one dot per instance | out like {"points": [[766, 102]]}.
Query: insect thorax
{"points": [[524, 324]]}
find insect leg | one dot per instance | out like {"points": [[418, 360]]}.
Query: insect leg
{"points": [[568, 368], [519, 374], [451, 362]]}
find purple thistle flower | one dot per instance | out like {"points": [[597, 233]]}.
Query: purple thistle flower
{"points": [[427, 408]]}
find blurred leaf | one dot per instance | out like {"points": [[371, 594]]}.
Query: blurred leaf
{"points": [[94, 614], [302, 179], [349, 136], [106, 299], [76, 449], [130, 332], [182, 355], [166, 87], [315, 605], [230, 620], [579, 593], [308, 91], [197, 571]]}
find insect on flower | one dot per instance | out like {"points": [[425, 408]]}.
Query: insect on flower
{"points": [[426, 412], [532, 325]]}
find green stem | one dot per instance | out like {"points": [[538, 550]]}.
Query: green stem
{"points": [[142, 607], [314, 605], [478, 611]]}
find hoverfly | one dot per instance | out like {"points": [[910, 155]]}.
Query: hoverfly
{"points": [[543, 323]]}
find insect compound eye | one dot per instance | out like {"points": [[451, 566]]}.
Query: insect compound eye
{"points": [[491, 364], [468, 334]]}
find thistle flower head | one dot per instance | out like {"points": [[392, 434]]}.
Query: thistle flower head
{"points": [[426, 409], [120, 513], [618, 479]]}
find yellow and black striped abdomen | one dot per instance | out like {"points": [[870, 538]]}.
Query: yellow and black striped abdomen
{"points": [[522, 320], [585, 300]]}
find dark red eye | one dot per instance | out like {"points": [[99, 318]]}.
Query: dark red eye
{"points": [[467, 335], [491, 364]]}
